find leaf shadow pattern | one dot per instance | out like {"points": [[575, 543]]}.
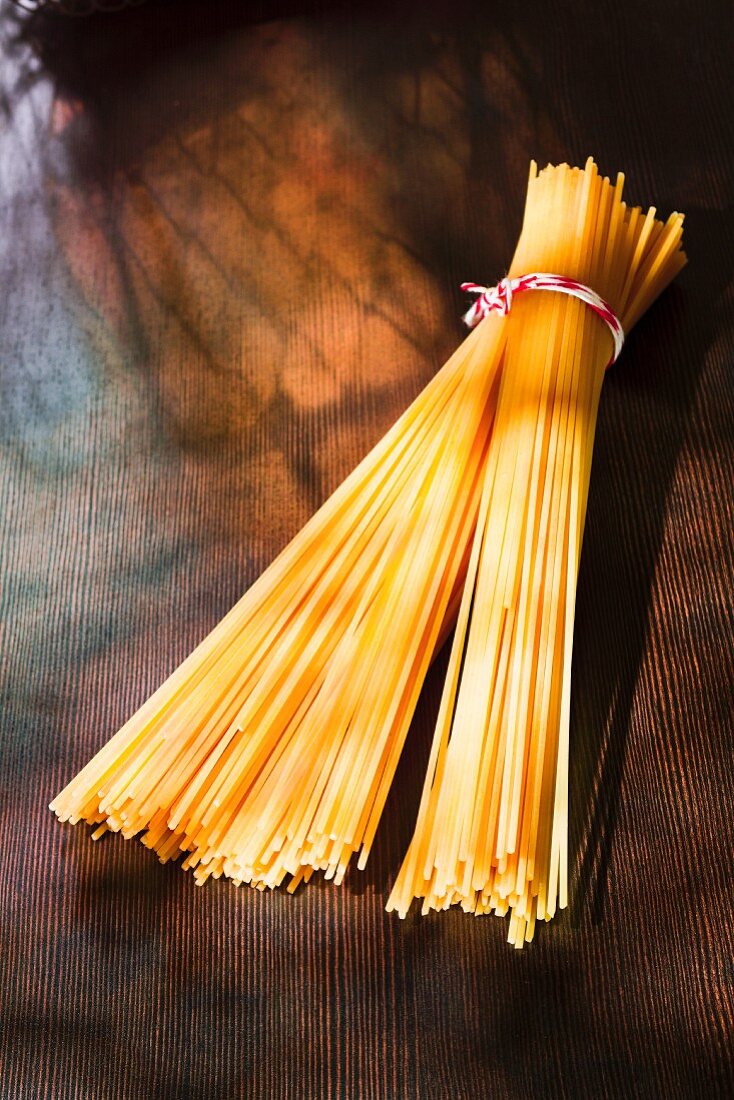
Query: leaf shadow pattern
{"points": [[89, 60], [122, 979]]}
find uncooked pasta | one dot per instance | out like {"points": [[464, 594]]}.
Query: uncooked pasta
{"points": [[268, 754], [491, 833], [270, 751]]}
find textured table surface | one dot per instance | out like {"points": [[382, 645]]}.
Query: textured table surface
{"points": [[231, 237]]}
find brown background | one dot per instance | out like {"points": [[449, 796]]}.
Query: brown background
{"points": [[231, 237]]}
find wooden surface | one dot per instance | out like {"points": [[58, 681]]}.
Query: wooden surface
{"points": [[231, 237]]}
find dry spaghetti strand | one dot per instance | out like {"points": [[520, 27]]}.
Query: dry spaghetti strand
{"points": [[268, 754], [491, 833]]}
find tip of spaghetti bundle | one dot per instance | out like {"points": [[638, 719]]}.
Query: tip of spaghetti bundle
{"points": [[517, 931], [392, 905], [399, 906]]}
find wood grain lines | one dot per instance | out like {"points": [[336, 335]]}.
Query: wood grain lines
{"points": [[230, 243]]}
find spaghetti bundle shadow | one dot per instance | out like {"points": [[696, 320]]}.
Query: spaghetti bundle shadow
{"points": [[634, 470]]}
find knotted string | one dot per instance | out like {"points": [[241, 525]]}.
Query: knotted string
{"points": [[498, 299]]}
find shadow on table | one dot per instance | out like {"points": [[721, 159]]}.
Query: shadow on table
{"points": [[643, 428], [644, 424], [645, 411]]}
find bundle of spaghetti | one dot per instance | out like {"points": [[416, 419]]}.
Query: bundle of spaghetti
{"points": [[270, 751], [491, 831]]}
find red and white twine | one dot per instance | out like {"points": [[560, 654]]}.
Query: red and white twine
{"points": [[498, 299]]}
